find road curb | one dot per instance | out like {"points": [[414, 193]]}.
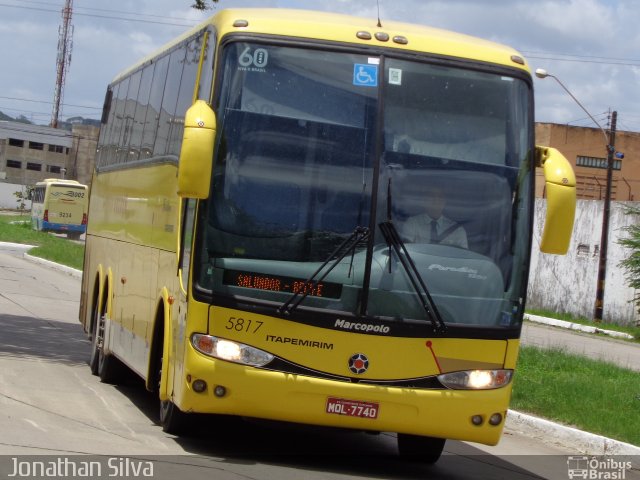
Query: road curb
{"points": [[17, 246], [576, 326], [585, 442], [55, 266]]}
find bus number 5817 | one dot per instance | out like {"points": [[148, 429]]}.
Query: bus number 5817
{"points": [[242, 325]]}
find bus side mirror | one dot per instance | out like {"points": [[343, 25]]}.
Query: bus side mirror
{"points": [[196, 153], [560, 186]]}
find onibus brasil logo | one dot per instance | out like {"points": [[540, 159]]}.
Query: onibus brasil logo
{"points": [[600, 468]]}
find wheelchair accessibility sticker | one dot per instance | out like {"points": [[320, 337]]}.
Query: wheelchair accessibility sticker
{"points": [[365, 75]]}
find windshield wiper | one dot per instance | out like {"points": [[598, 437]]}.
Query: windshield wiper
{"points": [[357, 237], [394, 241]]}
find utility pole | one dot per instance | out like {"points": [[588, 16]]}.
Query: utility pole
{"points": [[63, 60], [604, 238]]}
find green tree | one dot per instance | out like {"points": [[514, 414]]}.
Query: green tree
{"points": [[202, 4], [23, 195], [631, 264]]}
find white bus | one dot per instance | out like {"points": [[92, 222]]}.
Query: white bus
{"points": [[60, 206]]}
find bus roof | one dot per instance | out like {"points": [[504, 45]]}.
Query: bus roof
{"points": [[335, 27], [60, 181]]}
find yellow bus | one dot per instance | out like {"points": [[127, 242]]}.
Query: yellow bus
{"points": [[60, 206], [259, 244]]}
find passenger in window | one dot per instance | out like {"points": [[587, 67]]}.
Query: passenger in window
{"points": [[432, 226]]}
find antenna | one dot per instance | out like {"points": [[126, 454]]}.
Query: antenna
{"points": [[379, 23], [63, 59]]}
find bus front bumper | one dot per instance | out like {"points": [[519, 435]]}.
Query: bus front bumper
{"points": [[235, 389]]}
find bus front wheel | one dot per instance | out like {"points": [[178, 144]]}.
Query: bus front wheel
{"points": [[172, 419], [420, 449]]}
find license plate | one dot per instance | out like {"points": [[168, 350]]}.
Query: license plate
{"points": [[352, 408]]}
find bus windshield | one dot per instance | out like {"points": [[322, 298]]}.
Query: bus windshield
{"points": [[315, 146]]}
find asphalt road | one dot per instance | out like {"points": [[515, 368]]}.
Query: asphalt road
{"points": [[620, 352], [50, 404]]}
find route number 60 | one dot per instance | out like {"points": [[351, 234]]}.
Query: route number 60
{"points": [[259, 58]]}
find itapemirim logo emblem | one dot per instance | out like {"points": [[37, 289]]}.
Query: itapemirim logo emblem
{"points": [[358, 363], [597, 468]]}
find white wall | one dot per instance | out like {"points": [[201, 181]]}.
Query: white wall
{"points": [[568, 283], [8, 199]]}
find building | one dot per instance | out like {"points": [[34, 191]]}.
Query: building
{"points": [[586, 149], [30, 153], [83, 152]]}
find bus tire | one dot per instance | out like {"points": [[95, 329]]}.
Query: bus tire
{"points": [[421, 449], [96, 338], [109, 367], [172, 419]]}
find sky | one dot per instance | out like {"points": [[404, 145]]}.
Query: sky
{"points": [[591, 46]]}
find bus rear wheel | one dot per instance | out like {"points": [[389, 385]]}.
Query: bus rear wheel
{"points": [[96, 340], [109, 367], [417, 448]]}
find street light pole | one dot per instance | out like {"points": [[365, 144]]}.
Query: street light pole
{"points": [[610, 141], [542, 73]]}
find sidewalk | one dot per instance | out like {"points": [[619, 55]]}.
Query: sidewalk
{"points": [[576, 326]]}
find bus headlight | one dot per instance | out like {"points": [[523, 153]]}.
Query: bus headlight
{"points": [[230, 350], [476, 379]]}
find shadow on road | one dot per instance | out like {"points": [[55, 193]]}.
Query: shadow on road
{"points": [[217, 439], [49, 340]]}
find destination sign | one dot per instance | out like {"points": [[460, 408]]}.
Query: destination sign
{"points": [[278, 283]]}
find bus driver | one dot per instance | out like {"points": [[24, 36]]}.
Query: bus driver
{"points": [[433, 226]]}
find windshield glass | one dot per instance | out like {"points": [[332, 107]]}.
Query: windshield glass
{"points": [[293, 175], [299, 146], [454, 181]]}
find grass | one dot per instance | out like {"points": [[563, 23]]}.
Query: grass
{"points": [[17, 229], [631, 330], [591, 395]]}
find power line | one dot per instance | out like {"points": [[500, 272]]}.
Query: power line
{"points": [[49, 103], [630, 63], [582, 56], [110, 17], [90, 9], [27, 113]]}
